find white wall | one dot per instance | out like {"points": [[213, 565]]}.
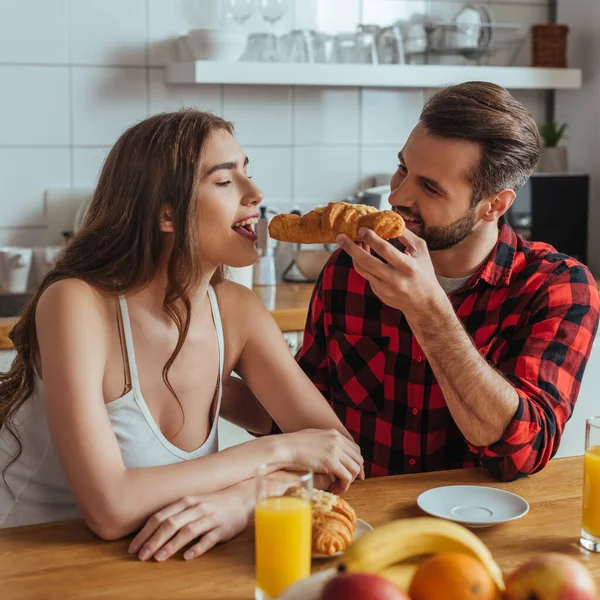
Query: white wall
{"points": [[581, 109], [75, 73]]}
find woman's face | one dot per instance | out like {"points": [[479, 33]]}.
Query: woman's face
{"points": [[228, 209]]}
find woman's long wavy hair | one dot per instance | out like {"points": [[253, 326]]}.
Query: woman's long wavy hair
{"points": [[154, 164]]}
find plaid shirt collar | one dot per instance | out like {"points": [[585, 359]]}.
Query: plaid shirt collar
{"points": [[498, 268]]}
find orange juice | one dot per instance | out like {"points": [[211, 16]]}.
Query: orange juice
{"points": [[283, 543], [591, 491]]}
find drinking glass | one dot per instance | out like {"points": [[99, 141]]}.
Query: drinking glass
{"points": [[273, 10], [590, 521], [240, 10], [366, 43], [346, 48], [283, 528], [298, 46], [261, 47]]}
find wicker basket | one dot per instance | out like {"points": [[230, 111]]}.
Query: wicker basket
{"points": [[549, 45]]}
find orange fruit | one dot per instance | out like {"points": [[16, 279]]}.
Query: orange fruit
{"points": [[452, 576]]}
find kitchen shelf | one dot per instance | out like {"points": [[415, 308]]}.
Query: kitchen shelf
{"points": [[379, 76]]}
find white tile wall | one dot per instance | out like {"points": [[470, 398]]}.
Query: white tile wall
{"points": [[33, 31], [326, 116], [378, 161], [34, 106], [262, 115], [24, 174], [173, 97], [87, 163], [97, 38], [106, 100], [322, 173], [388, 116], [271, 169], [76, 73]]}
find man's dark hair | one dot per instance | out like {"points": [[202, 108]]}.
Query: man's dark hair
{"points": [[487, 114]]}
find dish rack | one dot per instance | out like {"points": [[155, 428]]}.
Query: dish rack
{"points": [[482, 43]]}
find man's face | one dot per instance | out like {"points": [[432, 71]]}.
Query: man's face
{"points": [[431, 188]]}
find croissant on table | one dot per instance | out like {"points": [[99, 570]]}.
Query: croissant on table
{"points": [[333, 521], [323, 224]]}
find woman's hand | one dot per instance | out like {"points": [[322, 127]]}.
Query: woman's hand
{"points": [[324, 451], [214, 518]]}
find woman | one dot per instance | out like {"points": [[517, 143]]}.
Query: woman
{"points": [[110, 409]]}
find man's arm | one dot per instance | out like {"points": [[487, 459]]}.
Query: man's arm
{"points": [[513, 412], [481, 401]]}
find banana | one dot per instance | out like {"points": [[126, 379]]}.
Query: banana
{"points": [[407, 538], [400, 574]]}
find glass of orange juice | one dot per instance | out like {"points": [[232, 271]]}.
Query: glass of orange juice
{"points": [[590, 525], [283, 528]]}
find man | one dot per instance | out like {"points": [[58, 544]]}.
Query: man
{"points": [[465, 344], [460, 344]]}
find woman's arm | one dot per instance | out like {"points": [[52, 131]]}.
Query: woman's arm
{"points": [[72, 326], [240, 407]]}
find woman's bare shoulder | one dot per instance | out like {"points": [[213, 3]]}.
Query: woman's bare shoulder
{"points": [[237, 298], [76, 297], [242, 312]]}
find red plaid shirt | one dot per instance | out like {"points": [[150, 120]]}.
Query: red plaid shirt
{"points": [[531, 312]]}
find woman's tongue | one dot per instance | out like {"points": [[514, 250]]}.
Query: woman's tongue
{"points": [[245, 231]]}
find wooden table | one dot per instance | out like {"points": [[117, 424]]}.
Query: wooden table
{"points": [[64, 560]]}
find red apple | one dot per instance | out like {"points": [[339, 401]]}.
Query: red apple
{"points": [[551, 576], [361, 586]]}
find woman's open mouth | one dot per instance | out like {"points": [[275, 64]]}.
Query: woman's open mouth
{"points": [[245, 229]]}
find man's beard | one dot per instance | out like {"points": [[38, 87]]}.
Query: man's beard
{"points": [[442, 238]]}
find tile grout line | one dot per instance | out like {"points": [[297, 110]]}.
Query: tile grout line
{"points": [[71, 94]]}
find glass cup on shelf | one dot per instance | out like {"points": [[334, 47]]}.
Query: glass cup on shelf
{"points": [[261, 47], [590, 519], [366, 44], [283, 522], [299, 46], [390, 46], [346, 48]]}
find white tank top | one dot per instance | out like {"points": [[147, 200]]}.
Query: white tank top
{"points": [[41, 493]]}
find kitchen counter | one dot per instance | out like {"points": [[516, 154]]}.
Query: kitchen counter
{"points": [[64, 560], [287, 302]]}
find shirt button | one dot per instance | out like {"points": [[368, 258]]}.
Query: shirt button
{"points": [[419, 358], [415, 411], [412, 461]]}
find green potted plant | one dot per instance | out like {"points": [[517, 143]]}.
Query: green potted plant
{"points": [[554, 157]]}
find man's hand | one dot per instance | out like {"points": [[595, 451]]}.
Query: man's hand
{"points": [[407, 282]]}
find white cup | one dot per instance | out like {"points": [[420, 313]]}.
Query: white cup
{"points": [[15, 265], [44, 258], [243, 275]]}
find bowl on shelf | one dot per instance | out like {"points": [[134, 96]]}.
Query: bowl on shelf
{"points": [[217, 44], [311, 262]]}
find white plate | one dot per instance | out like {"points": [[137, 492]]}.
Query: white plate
{"points": [[473, 505], [309, 588], [361, 528]]}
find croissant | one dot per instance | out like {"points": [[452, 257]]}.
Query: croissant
{"points": [[323, 224], [333, 521]]}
